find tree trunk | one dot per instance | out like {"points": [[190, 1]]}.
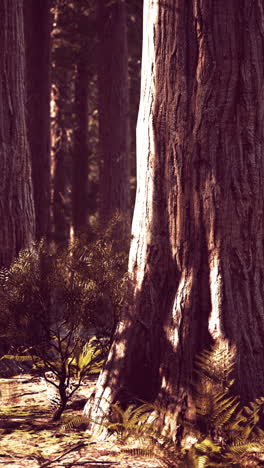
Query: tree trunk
{"points": [[63, 403], [60, 155], [196, 259], [80, 150], [37, 35], [113, 109], [17, 217]]}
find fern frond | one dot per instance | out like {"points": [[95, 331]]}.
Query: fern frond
{"points": [[207, 445], [194, 460], [16, 357], [133, 424], [132, 415], [221, 414], [88, 360], [250, 447], [202, 461], [217, 364], [139, 452], [73, 422]]}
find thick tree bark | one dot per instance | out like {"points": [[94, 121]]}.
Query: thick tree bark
{"points": [[17, 217], [37, 35], [196, 259], [113, 109], [80, 149]]}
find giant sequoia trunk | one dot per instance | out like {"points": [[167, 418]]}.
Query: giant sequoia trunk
{"points": [[196, 259], [113, 109], [37, 34], [16, 201]]}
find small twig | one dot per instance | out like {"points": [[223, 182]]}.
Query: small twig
{"points": [[81, 444]]}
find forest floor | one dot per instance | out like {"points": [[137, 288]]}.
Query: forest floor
{"points": [[28, 437]]}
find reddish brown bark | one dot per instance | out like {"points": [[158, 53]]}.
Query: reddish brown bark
{"points": [[80, 149], [113, 109], [196, 259], [17, 217], [37, 35], [60, 149]]}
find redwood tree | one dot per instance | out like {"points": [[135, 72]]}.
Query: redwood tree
{"points": [[37, 35], [60, 149], [73, 71], [196, 259], [113, 109], [80, 148], [17, 218]]}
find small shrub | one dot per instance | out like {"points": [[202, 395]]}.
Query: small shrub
{"points": [[84, 282], [64, 363], [51, 303]]}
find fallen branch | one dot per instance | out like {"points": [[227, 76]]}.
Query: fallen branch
{"points": [[105, 464], [28, 393], [81, 444]]}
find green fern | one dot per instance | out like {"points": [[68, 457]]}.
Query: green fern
{"points": [[139, 427], [129, 420], [74, 422], [138, 452], [211, 390], [229, 432], [132, 423], [88, 360], [210, 454], [217, 364]]}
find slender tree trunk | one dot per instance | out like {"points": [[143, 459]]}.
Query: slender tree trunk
{"points": [[196, 259], [61, 128], [60, 148], [17, 217], [62, 404], [113, 109], [37, 35], [80, 149]]}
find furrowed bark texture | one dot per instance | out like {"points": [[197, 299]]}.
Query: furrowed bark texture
{"points": [[113, 109], [17, 217], [196, 259], [37, 35]]}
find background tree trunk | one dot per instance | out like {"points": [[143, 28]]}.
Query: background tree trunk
{"points": [[80, 149], [196, 259], [113, 109], [60, 166], [17, 217], [37, 35]]}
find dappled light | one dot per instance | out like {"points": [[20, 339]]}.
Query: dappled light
{"points": [[136, 344]]}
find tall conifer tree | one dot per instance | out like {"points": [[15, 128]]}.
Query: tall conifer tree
{"points": [[17, 217], [196, 260]]}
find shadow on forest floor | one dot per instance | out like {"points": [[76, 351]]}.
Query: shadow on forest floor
{"points": [[28, 437]]}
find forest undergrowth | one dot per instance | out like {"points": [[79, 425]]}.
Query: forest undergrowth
{"points": [[59, 312], [29, 438], [226, 433]]}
